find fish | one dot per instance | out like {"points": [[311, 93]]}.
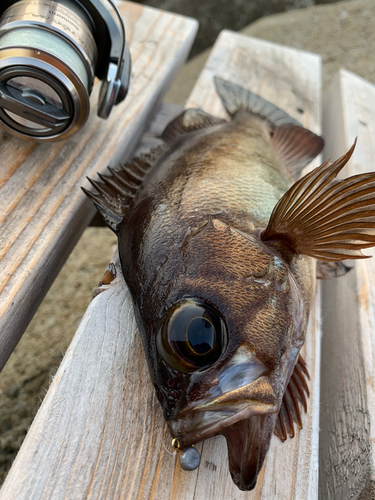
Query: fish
{"points": [[221, 242]]}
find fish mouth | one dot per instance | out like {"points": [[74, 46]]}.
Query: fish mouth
{"points": [[248, 441], [242, 408], [211, 417]]}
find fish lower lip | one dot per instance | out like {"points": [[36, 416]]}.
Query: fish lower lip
{"points": [[198, 426], [248, 442]]}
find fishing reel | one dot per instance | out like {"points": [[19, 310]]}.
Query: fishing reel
{"points": [[50, 53]]}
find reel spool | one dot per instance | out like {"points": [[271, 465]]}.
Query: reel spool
{"points": [[50, 53]]}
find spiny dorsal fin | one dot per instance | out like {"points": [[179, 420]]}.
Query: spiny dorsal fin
{"points": [[296, 145], [326, 218], [109, 210], [294, 399], [190, 120], [116, 191]]}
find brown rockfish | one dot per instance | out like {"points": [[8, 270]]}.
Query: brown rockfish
{"points": [[219, 245]]}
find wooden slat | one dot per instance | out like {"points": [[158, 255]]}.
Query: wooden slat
{"points": [[42, 209], [100, 432], [347, 449]]}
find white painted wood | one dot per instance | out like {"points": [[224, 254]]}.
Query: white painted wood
{"points": [[348, 352], [100, 432], [42, 208]]}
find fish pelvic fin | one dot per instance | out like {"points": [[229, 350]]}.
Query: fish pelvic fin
{"points": [[115, 192], [296, 146], [295, 398], [330, 269], [188, 121], [326, 218]]}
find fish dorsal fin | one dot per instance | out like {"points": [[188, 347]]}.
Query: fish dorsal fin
{"points": [[326, 218], [294, 399], [190, 120], [296, 145], [116, 191]]}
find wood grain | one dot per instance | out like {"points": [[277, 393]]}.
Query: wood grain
{"points": [[42, 208], [100, 432], [347, 449]]}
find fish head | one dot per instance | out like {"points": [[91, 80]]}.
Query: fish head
{"points": [[230, 323]]}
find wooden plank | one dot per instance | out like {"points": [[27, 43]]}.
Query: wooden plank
{"points": [[42, 208], [100, 432], [347, 450]]}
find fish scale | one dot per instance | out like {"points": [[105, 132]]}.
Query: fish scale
{"points": [[245, 187]]}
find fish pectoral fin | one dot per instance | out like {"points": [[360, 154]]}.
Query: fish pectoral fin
{"points": [[326, 270], [325, 218], [116, 190], [188, 121], [294, 399], [296, 146]]}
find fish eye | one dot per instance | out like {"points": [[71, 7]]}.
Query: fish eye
{"points": [[192, 336]]}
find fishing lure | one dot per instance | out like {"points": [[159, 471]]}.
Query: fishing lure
{"points": [[220, 246]]}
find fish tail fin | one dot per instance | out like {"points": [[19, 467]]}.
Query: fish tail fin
{"points": [[326, 218], [294, 399], [236, 98], [296, 145]]}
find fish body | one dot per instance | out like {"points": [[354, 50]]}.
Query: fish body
{"points": [[183, 240], [220, 294]]}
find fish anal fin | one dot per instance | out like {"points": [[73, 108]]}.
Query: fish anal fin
{"points": [[190, 120], [296, 146], [326, 218], [330, 269], [293, 401], [117, 189]]}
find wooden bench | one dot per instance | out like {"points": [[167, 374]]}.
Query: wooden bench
{"points": [[347, 441], [100, 432], [42, 210]]}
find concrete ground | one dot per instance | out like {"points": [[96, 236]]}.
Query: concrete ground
{"points": [[343, 33], [214, 15]]}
